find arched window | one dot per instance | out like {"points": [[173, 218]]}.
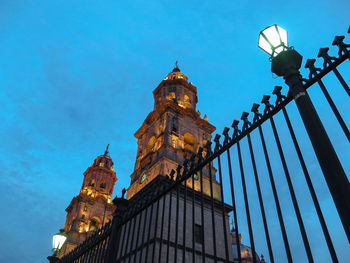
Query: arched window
{"points": [[103, 185], [150, 143], [189, 141], [174, 127], [171, 96], [92, 182]]}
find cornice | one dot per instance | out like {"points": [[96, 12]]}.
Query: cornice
{"points": [[99, 168], [154, 115], [183, 82]]}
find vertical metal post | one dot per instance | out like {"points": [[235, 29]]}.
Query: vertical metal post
{"points": [[275, 195], [114, 239], [311, 189], [212, 212], [292, 193], [202, 213], [287, 64], [193, 221], [184, 224], [238, 243], [267, 235], [223, 211], [161, 230], [334, 109], [169, 224], [251, 236]]}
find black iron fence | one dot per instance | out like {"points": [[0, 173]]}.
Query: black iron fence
{"points": [[263, 182]]}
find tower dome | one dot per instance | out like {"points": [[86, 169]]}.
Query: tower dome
{"points": [[176, 74], [104, 160]]}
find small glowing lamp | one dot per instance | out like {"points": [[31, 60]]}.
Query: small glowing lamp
{"points": [[58, 240], [273, 40]]}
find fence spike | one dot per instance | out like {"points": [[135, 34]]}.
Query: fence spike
{"points": [[342, 47], [257, 114], [192, 161], [218, 146], [246, 122], [185, 165], [208, 149], [327, 59], [310, 64], [236, 130], [279, 95], [172, 172], [200, 154], [268, 105], [227, 136]]}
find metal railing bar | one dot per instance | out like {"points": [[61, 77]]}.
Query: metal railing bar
{"points": [[193, 222], [149, 231], [212, 211], [334, 109], [234, 207], [275, 195], [262, 209], [161, 229], [292, 193], [311, 189], [155, 230], [251, 237], [223, 211], [341, 80], [169, 224], [176, 222], [184, 224], [202, 214]]}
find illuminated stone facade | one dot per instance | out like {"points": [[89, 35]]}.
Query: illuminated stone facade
{"points": [[173, 131], [92, 208]]}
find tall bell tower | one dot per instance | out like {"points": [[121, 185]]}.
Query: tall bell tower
{"points": [[92, 207], [172, 132]]}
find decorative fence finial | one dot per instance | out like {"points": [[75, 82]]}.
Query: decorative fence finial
{"points": [[246, 122], [257, 114], [208, 149], [327, 59], [200, 154], [310, 64], [277, 92], [172, 172], [218, 146], [185, 165], [236, 130], [227, 137], [268, 106], [343, 47]]}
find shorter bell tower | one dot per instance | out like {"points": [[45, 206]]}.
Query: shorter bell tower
{"points": [[92, 207]]}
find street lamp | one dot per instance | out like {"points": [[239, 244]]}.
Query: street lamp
{"points": [[273, 40], [57, 243], [286, 62]]}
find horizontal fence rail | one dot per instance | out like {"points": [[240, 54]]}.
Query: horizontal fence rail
{"points": [[257, 176]]}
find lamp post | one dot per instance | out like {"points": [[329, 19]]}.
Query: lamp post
{"points": [[57, 243], [286, 62]]}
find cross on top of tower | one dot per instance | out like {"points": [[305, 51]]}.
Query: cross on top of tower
{"points": [[176, 68], [106, 151]]}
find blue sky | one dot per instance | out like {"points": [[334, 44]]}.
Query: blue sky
{"points": [[76, 75]]}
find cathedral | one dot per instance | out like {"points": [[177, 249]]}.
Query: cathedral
{"points": [[171, 133]]}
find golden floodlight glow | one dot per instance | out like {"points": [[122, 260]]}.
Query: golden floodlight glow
{"points": [[273, 40]]}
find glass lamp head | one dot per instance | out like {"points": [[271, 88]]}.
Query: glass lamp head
{"points": [[58, 240], [273, 40]]}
